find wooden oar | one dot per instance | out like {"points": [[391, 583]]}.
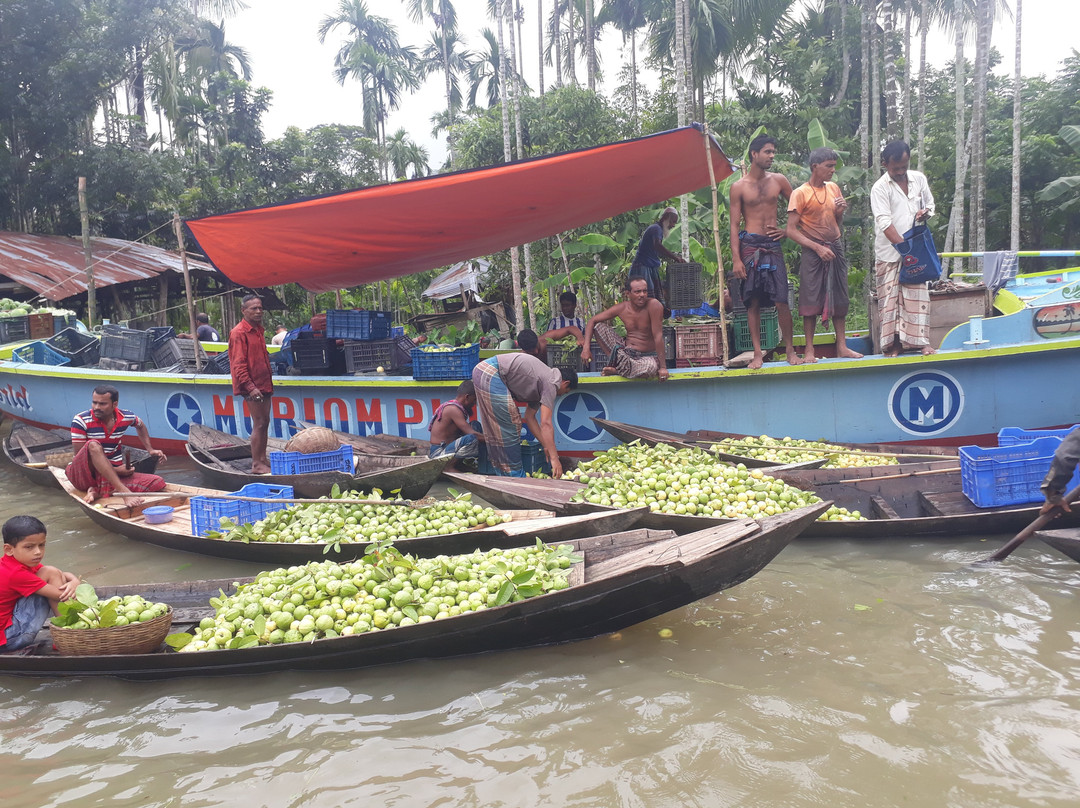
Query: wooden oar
{"points": [[842, 450], [1027, 532], [950, 470], [404, 503], [22, 445]]}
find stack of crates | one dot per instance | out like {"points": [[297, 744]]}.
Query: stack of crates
{"points": [[366, 339], [697, 345], [125, 348], [1012, 472]]}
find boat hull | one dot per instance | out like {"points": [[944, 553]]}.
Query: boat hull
{"points": [[595, 607], [963, 394]]}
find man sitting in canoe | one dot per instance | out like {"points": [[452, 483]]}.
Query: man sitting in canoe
{"points": [[451, 431], [98, 467], [636, 356]]}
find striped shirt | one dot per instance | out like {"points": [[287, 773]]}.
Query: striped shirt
{"points": [[85, 426], [563, 321]]}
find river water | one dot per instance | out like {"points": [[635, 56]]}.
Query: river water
{"points": [[844, 674]]}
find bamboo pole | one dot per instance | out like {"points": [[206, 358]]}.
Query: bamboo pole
{"points": [[716, 241], [187, 290], [91, 291]]}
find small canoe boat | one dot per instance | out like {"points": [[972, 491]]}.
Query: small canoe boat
{"points": [[921, 501], [625, 578], [224, 461], [377, 444], [116, 515], [1065, 541], [29, 448], [707, 439]]}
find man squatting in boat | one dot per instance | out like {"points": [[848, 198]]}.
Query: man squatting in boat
{"points": [[452, 433]]}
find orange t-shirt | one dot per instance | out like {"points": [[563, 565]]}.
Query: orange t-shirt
{"points": [[816, 208]]}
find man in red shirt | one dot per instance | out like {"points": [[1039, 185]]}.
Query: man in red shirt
{"points": [[249, 362]]}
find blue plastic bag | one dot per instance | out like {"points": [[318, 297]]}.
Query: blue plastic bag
{"points": [[919, 260]]}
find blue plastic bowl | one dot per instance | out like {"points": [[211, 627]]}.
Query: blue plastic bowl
{"points": [[158, 514]]}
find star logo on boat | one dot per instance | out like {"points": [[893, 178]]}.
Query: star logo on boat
{"points": [[574, 414], [926, 403], [182, 411]]}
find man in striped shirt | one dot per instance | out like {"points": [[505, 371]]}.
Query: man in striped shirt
{"points": [[98, 467], [568, 318]]}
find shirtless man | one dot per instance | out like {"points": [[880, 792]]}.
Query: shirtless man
{"points": [[756, 253], [636, 356], [451, 430]]}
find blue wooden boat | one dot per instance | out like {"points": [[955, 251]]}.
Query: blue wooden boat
{"points": [[986, 376]]}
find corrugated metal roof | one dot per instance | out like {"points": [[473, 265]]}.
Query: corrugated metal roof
{"points": [[465, 274], [54, 266]]}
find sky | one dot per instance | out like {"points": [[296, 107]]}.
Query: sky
{"points": [[281, 39]]}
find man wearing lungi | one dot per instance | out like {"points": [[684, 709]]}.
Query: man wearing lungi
{"points": [[815, 221], [502, 381], [756, 254], [651, 249], [899, 200], [636, 357], [98, 467]]}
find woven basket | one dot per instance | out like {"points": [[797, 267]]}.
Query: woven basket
{"points": [[313, 440], [60, 460], [134, 638]]}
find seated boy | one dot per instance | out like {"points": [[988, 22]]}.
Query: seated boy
{"points": [[451, 431], [29, 591]]}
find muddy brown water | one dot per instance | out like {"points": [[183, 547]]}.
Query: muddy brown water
{"points": [[845, 674]]}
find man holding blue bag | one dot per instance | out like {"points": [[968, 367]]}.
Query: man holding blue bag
{"points": [[905, 258]]}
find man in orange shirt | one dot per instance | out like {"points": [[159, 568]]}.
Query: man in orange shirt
{"points": [[251, 376], [815, 221]]}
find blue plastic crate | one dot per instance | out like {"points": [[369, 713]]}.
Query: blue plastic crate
{"points": [[38, 353], [1013, 435], [397, 331], [455, 364], [207, 512], [366, 325], [62, 321], [341, 459], [1007, 475]]}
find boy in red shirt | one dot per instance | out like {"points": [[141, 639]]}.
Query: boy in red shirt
{"points": [[29, 590]]}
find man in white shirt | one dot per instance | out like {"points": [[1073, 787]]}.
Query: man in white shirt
{"points": [[899, 199]]}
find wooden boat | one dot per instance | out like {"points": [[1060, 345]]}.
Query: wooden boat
{"points": [[625, 578], [1066, 541], [378, 443], [224, 461], [526, 525], [28, 447], [920, 501], [706, 439]]}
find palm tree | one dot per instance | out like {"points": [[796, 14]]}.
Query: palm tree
{"points": [[501, 12], [206, 54], [444, 15], [628, 17], [484, 71], [404, 154], [888, 14], [1018, 84]]}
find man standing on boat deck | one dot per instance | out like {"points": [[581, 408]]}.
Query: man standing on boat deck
{"points": [[1061, 471], [249, 362], [651, 249], [815, 221], [756, 253], [636, 357], [502, 381], [899, 200], [98, 467]]}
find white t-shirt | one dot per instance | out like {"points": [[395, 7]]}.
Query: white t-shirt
{"points": [[891, 206]]}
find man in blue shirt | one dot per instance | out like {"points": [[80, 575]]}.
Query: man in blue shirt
{"points": [[651, 249]]}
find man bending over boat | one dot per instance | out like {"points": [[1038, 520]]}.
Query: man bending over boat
{"points": [[635, 357], [757, 256], [98, 467], [501, 382], [1061, 471], [452, 433]]}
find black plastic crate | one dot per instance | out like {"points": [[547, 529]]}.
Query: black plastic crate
{"points": [[312, 355], [112, 363], [162, 334], [14, 328], [562, 356], [361, 356], [685, 286], [131, 344], [174, 350], [82, 349]]}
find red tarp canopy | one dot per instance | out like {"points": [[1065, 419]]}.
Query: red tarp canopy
{"points": [[356, 237]]}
